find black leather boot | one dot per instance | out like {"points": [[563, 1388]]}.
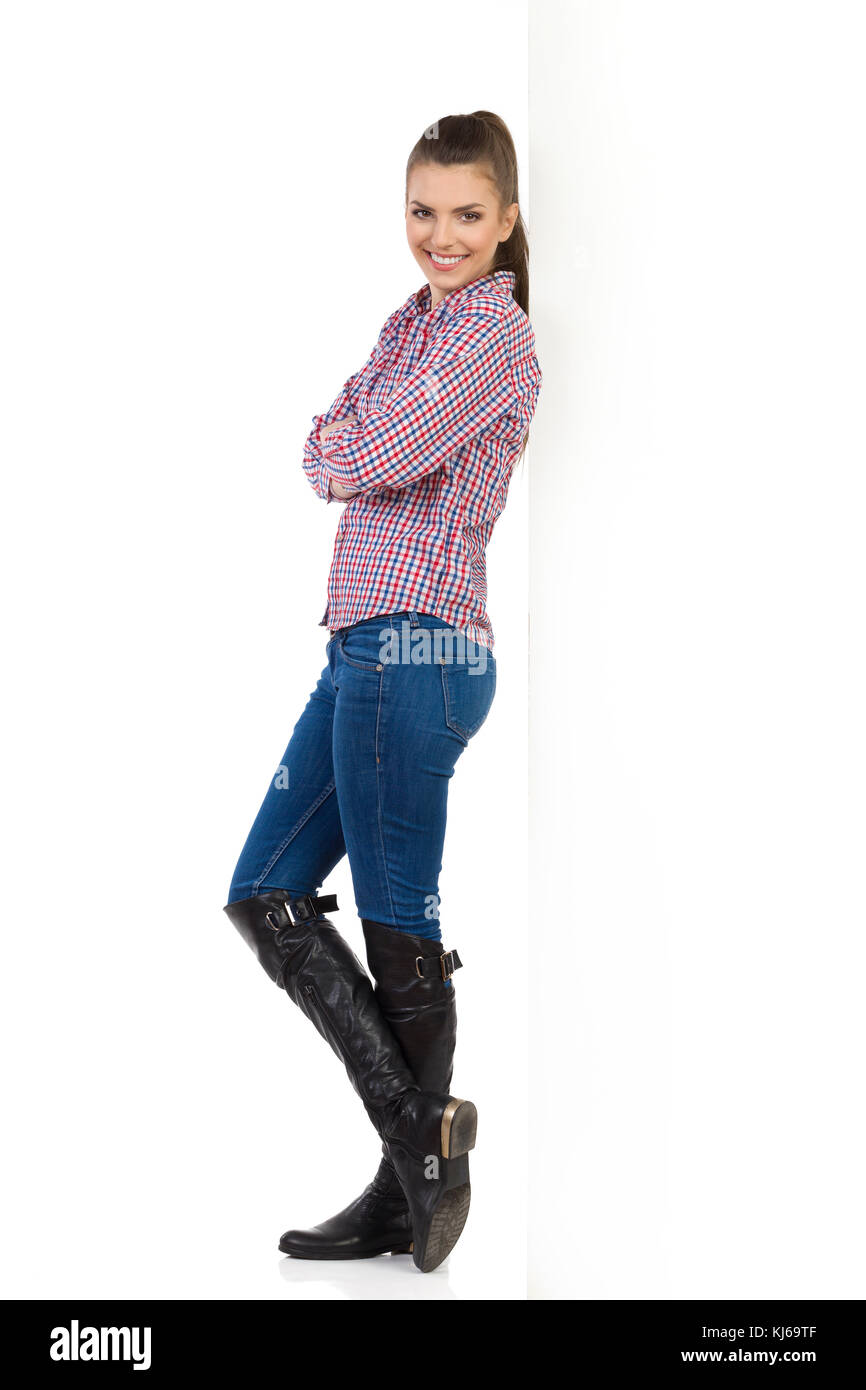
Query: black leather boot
{"points": [[420, 1009], [376, 1223], [426, 1135]]}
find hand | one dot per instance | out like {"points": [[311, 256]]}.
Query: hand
{"points": [[339, 491], [350, 419]]}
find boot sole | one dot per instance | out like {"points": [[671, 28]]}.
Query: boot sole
{"points": [[459, 1127], [388, 1249]]}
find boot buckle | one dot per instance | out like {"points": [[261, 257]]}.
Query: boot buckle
{"points": [[448, 971], [447, 963], [302, 909], [308, 908]]}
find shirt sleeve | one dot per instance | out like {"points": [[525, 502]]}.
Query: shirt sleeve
{"points": [[314, 467], [462, 383], [313, 459]]}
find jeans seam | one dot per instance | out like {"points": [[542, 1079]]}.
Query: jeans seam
{"points": [[299, 824], [379, 809]]}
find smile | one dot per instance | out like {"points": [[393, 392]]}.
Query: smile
{"points": [[444, 262]]}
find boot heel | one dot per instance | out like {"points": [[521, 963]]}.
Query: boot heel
{"points": [[454, 1172], [459, 1125]]}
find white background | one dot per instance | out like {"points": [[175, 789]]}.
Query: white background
{"points": [[204, 235], [697, 752]]}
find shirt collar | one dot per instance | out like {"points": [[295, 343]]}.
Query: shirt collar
{"points": [[500, 282]]}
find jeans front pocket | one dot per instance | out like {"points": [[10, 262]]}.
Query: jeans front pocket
{"points": [[468, 692], [362, 646]]}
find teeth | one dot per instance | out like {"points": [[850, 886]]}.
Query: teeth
{"points": [[446, 260]]}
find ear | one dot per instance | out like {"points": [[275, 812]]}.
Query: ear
{"points": [[510, 215]]}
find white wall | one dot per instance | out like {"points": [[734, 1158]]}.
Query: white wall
{"points": [[697, 758], [192, 191]]}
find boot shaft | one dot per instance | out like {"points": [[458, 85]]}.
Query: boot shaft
{"points": [[322, 975], [420, 1008]]}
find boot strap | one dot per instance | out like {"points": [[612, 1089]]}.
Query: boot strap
{"points": [[308, 908], [428, 967]]}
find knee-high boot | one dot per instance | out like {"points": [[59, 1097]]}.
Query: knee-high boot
{"points": [[410, 974], [426, 1135]]}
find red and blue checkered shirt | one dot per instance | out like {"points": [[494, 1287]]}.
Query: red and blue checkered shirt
{"points": [[442, 405]]}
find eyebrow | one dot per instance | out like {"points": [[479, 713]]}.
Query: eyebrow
{"points": [[467, 207]]}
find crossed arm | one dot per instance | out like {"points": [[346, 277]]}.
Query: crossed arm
{"points": [[459, 387], [341, 493]]}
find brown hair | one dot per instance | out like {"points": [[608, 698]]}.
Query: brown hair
{"points": [[483, 138]]}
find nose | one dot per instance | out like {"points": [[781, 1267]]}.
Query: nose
{"points": [[442, 248]]}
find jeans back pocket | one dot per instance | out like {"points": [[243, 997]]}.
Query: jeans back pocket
{"points": [[468, 692]]}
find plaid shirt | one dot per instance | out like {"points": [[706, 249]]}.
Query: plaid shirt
{"points": [[442, 405]]}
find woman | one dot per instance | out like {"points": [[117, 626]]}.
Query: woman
{"points": [[420, 445]]}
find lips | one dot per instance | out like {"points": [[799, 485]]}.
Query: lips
{"points": [[449, 265]]}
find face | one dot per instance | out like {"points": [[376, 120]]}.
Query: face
{"points": [[453, 212]]}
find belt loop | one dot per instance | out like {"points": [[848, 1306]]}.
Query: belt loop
{"points": [[412, 616]]}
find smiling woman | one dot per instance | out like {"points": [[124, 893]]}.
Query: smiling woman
{"points": [[462, 215], [421, 444], [452, 239]]}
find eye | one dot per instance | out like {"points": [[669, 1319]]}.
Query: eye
{"points": [[420, 212]]}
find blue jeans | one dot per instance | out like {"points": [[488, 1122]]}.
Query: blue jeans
{"points": [[367, 768]]}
